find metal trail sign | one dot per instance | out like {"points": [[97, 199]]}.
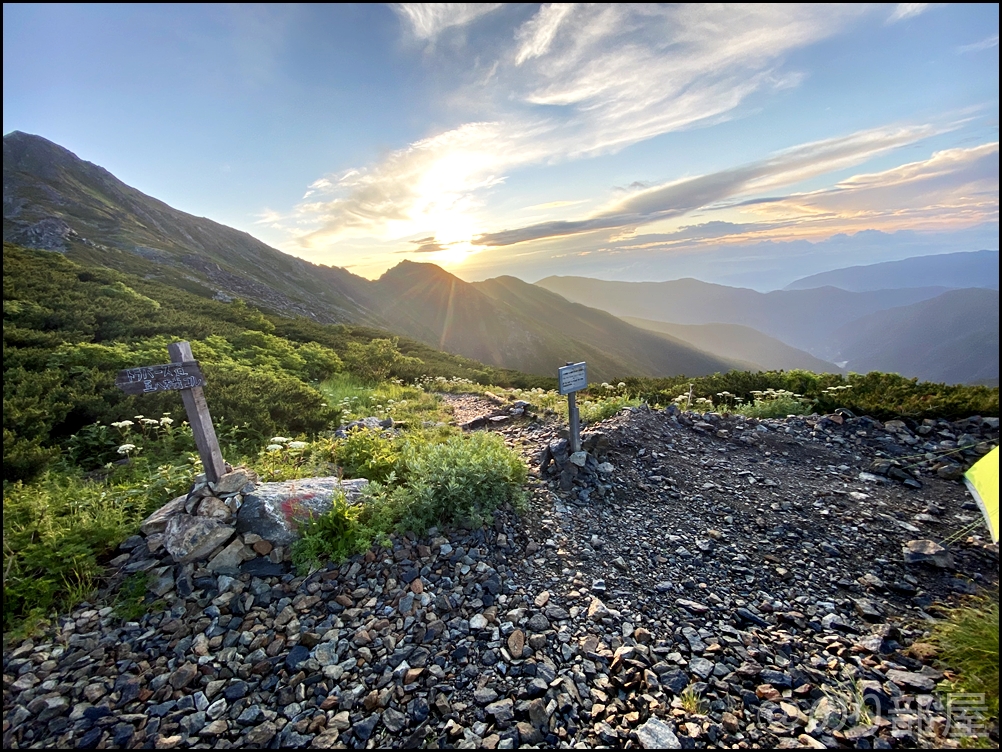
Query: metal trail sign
{"points": [[572, 378], [183, 375]]}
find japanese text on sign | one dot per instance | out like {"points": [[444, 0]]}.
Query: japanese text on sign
{"points": [[572, 378], [162, 378]]}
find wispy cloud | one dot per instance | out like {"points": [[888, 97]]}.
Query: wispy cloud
{"points": [[684, 196], [427, 20], [984, 44], [909, 10], [576, 81], [537, 35]]}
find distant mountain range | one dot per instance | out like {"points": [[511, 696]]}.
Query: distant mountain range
{"points": [[757, 351], [805, 319], [957, 270], [874, 317]]}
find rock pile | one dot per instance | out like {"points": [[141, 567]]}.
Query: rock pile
{"points": [[581, 472], [232, 525], [737, 589]]}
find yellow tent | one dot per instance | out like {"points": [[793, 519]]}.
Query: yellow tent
{"points": [[983, 482]]}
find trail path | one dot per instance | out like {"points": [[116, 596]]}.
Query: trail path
{"points": [[748, 562]]}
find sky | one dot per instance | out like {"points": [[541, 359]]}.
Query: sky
{"points": [[746, 145]]}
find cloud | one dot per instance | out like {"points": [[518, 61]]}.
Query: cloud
{"points": [[984, 44], [953, 187], [425, 245], [909, 10], [428, 20], [576, 81], [536, 35], [683, 196]]}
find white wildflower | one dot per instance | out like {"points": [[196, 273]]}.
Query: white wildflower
{"points": [[274, 448], [122, 424], [279, 440], [166, 421], [298, 445], [126, 449]]}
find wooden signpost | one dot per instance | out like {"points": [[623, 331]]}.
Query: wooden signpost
{"points": [[572, 378], [184, 375]]}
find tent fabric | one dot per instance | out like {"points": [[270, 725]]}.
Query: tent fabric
{"points": [[983, 482]]}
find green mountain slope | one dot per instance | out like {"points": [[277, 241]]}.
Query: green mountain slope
{"points": [[952, 339], [757, 350], [56, 201], [534, 332], [647, 354]]}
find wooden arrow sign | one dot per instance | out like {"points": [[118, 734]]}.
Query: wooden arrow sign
{"points": [[183, 375]]}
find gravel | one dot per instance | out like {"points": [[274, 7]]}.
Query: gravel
{"points": [[734, 583]]}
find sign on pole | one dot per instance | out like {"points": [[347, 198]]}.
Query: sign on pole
{"points": [[572, 378], [184, 375]]}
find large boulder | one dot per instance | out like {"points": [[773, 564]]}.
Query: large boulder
{"points": [[272, 509]]}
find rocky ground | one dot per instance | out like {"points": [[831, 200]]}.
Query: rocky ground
{"points": [[694, 581]]}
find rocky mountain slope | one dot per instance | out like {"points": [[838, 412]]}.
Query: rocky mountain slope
{"points": [[959, 270], [699, 581]]}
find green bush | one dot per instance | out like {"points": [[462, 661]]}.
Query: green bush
{"points": [[881, 395], [333, 536], [367, 454], [57, 531], [461, 480]]}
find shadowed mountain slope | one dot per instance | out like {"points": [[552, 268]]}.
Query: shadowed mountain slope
{"points": [[535, 332], [953, 338], [760, 351], [56, 201], [957, 270]]}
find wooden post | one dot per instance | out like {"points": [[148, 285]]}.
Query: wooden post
{"points": [[199, 419]]}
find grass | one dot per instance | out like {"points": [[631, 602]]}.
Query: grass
{"points": [[691, 702], [59, 530], [358, 399], [968, 640]]}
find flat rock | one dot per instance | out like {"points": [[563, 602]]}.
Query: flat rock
{"points": [[912, 679], [189, 538], [927, 552], [157, 522], [228, 560], [268, 509], [656, 734], [232, 482]]}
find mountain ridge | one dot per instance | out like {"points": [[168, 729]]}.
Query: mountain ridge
{"points": [[958, 270], [804, 319]]}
